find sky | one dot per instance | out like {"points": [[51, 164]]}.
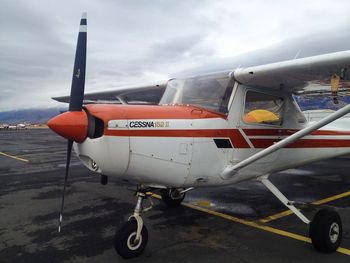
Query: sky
{"points": [[138, 42]]}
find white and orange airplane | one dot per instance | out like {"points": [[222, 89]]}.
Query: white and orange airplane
{"points": [[207, 130]]}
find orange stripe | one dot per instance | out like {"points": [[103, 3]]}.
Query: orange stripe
{"points": [[108, 112]]}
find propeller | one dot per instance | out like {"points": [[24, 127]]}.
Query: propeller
{"points": [[75, 118], [78, 79], [69, 152]]}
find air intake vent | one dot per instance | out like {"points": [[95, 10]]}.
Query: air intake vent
{"points": [[96, 127], [99, 128]]}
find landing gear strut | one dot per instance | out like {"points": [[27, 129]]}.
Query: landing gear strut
{"points": [[325, 229], [131, 238]]}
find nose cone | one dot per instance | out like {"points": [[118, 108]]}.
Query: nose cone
{"points": [[72, 125]]}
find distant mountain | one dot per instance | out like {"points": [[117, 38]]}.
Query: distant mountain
{"points": [[29, 115]]}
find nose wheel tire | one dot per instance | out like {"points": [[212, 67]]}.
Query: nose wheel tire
{"points": [[125, 243], [172, 197], [326, 231]]}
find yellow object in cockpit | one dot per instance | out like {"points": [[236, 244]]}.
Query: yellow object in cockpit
{"points": [[260, 116]]}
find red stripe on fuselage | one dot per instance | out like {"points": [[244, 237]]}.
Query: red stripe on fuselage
{"points": [[304, 143], [301, 143], [285, 132], [235, 136]]}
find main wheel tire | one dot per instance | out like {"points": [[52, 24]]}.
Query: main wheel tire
{"points": [[326, 230], [172, 197], [125, 237]]}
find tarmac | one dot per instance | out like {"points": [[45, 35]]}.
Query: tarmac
{"points": [[237, 223]]}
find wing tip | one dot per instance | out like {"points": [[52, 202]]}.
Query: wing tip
{"points": [[64, 99]]}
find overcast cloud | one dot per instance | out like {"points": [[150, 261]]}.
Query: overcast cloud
{"points": [[144, 41]]}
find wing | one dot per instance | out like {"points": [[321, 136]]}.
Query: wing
{"points": [[298, 74], [147, 94]]}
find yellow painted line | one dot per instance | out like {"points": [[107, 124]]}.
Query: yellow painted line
{"points": [[255, 225], [155, 195], [14, 157], [259, 226], [249, 223], [204, 203], [332, 198], [319, 202], [344, 251], [276, 216]]}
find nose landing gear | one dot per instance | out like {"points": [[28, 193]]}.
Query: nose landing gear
{"points": [[131, 238]]}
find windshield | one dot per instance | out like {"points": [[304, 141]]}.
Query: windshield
{"points": [[208, 92]]}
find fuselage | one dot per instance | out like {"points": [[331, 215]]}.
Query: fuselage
{"points": [[183, 145]]}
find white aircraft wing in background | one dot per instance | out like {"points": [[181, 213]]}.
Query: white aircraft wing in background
{"points": [[142, 94]]}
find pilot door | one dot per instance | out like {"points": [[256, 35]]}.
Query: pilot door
{"points": [[260, 123]]}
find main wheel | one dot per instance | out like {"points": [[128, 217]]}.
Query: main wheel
{"points": [[326, 230], [124, 240], [172, 197]]}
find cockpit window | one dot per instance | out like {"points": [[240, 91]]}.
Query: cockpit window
{"points": [[208, 92], [263, 108]]}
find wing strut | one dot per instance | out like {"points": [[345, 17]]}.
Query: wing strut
{"points": [[273, 189], [231, 170]]}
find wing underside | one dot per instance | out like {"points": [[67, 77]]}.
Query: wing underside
{"points": [[309, 74]]}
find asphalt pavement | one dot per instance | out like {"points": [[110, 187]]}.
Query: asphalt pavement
{"points": [[226, 224]]}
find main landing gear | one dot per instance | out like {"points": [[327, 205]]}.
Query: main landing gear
{"points": [[173, 197], [325, 229]]}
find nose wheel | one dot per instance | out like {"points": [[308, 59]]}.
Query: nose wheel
{"points": [[131, 238], [126, 243]]}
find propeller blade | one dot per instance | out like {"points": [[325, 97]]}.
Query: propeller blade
{"points": [[76, 100], [69, 152], [78, 79]]}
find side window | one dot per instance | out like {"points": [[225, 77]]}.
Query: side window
{"points": [[263, 109]]}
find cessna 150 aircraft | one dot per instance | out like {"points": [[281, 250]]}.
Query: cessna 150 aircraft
{"points": [[207, 130]]}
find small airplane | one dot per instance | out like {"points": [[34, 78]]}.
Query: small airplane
{"points": [[4, 127], [206, 130], [21, 126]]}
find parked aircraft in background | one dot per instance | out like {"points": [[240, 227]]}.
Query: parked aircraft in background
{"points": [[21, 126], [4, 127]]}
